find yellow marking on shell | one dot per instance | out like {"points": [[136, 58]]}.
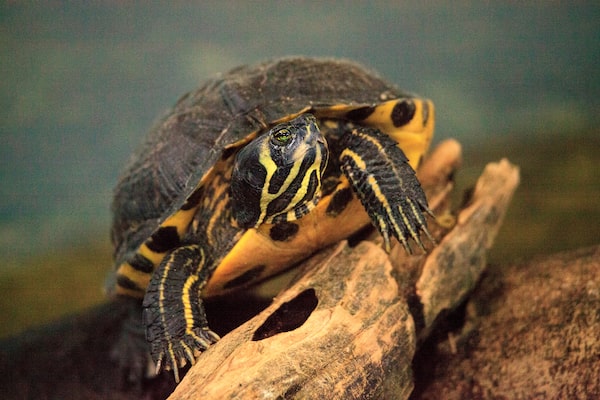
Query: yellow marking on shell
{"points": [[336, 110], [414, 137], [180, 220], [267, 162], [330, 124], [330, 111], [141, 279], [154, 257], [290, 116]]}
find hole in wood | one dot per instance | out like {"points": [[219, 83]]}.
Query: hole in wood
{"points": [[289, 316]]}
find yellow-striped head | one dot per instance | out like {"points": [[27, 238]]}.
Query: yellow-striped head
{"points": [[277, 177]]}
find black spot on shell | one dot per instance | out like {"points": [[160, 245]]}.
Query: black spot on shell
{"points": [[289, 316], [246, 277], [194, 199], [360, 114], [142, 264], [283, 231], [403, 112], [127, 283], [164, 239], [339, 201], [228, 152]]}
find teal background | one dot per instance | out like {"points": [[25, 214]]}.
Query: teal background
{"points": [[81, 83]]}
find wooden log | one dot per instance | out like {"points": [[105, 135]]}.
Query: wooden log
{"points": [[454, 267], [337, 332], [238, 368], [344, 329]]}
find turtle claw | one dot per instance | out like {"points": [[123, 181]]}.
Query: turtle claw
{"points": [[173, 355], [405, 221]]}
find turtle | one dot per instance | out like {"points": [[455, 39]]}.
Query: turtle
{"points": [[248, 175]]}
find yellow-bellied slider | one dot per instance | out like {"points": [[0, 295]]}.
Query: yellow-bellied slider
{"points": [[251, 173]]}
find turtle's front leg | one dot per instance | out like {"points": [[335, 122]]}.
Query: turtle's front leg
{"points": [[176, 325], [386, 185]]}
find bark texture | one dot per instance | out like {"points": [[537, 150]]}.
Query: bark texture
{"points": [[532, 331]]}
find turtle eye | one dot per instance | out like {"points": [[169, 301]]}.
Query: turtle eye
{"points": [[281, 137]]}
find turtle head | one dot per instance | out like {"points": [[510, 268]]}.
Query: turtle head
{"points": [[277, 176]]}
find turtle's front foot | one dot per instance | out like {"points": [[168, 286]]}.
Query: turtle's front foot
{"points": [[174, 317], [171, 353], [404, 220], [386, 185]]}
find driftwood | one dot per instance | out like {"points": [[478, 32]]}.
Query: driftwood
{"points": [[347, 327], [317, 338], [359, 340], [453, 268]]}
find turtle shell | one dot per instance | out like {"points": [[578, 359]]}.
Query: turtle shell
{"points": [[223, 114]]}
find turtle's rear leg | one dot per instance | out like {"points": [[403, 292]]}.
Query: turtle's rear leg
{"points": [[131, 350], [173, 314]]}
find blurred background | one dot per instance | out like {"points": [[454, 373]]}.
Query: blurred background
{"points": [[81, 84]]}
